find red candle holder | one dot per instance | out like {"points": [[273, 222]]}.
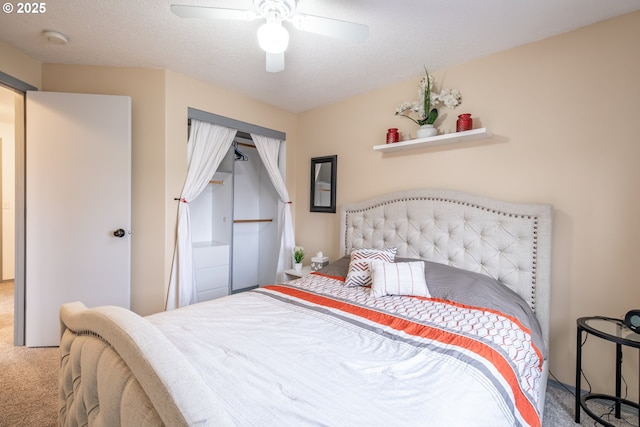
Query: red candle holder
{"points": [[464, 122], [392, 136]]}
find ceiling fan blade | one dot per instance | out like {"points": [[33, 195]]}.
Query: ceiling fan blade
{"points": [[331, 27], [275, 62], [202, 12]]}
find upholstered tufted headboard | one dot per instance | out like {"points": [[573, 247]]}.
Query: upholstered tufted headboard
{"points": [[510, 242]]}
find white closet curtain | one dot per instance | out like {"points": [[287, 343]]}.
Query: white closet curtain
{"points": [[207, 146], [268, 149]]}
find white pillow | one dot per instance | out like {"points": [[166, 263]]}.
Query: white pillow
{"points": [[359, 273], [398, 278]]}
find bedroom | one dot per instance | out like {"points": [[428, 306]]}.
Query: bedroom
{"points": [[561, 111]]}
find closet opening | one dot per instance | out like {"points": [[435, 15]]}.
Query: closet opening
{"points": [[235, 220]]}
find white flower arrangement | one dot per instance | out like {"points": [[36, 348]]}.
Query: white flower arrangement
{"points": [[428, 99], [298, 254]]}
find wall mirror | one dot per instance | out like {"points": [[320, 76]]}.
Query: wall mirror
{"points": [[323, 184]]}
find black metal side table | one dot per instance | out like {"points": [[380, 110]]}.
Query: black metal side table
{"points": [[613, 330]]}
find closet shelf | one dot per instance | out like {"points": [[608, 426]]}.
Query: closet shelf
{"points": [[432, 141], [251, 220], [209, 244], [219, 177]]}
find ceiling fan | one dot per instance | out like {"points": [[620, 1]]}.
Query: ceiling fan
{"points": [[273, 38]]}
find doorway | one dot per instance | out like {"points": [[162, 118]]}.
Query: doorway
{"points": [[11, 136]]}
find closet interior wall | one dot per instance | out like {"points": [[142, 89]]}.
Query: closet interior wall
{"points": [[235, 226]]}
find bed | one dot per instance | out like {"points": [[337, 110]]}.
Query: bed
{"points": [[436, 313]]}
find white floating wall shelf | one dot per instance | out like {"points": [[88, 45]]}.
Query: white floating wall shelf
{"points": [[432, 141]]}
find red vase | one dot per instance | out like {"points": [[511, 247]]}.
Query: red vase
{"points": [[392, 135], [464, 122]]}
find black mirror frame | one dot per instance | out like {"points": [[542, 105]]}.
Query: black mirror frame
{"points": [[333, 160]]}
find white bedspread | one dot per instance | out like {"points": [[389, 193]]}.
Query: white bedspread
{"points": [[279, 358]]}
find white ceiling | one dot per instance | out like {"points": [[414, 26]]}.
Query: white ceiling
{"points": [[404, 36]]}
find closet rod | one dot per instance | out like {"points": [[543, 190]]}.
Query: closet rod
{"points": [[244, 144], [215, 181], [251, 220]]}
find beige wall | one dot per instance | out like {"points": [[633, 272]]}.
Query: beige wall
{"points": [[562, 112], [183, 92], [146, 89], [160, 99], [19, 66]]}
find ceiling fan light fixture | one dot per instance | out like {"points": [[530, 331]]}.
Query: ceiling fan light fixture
{"points": [[273, 37]]}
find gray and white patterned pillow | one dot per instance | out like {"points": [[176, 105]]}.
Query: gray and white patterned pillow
{"points": [[359, 273]]}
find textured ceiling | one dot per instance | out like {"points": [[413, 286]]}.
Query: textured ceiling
{"points": [[404, 36]]}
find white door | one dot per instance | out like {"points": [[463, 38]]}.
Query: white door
{"points": [[78, 203]]}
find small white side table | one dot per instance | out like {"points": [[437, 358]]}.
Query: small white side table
{"points": [[294, 274]]}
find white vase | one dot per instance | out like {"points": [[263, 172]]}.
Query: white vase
{"points": [[297, 266], [426, 131]]}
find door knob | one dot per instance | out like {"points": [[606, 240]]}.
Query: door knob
{"points": [[119, 232]]}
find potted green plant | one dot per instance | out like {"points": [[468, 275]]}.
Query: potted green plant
{"points": [[298, 256]]}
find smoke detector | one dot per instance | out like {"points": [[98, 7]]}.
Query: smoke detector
{"points": [[55, 37]]}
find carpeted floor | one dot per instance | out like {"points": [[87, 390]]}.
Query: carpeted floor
{"points": [[559, 409], [28, 384], [28, 376]]}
